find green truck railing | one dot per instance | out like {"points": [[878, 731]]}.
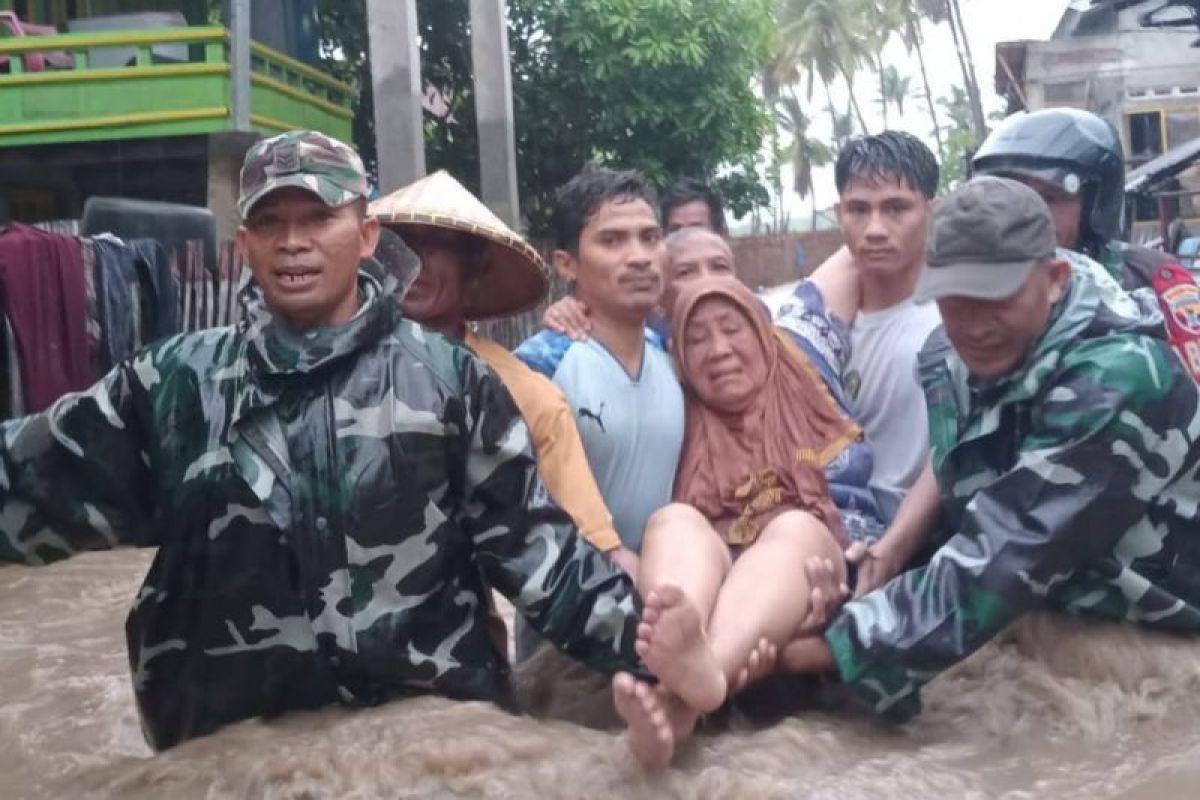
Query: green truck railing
{"points": [[153, 96]]}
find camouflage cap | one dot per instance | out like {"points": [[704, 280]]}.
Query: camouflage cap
{"points": [[305, 159]]}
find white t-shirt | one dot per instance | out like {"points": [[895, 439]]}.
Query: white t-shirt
{"points": [[885, 395]]}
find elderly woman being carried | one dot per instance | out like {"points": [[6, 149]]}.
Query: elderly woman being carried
{"points": [[724, 567]]}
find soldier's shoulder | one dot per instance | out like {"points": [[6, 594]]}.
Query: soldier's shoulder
{"points": [[1138, 365], [195, 352], [936, 349], [444, 357]]}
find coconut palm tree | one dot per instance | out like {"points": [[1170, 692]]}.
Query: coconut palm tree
{"points": [[957, 108], [805, 153], [883, 19], [950, 11], [894, 89], [843, 127], [969, 77], [914, 40], [878, 20], [820, 37]]}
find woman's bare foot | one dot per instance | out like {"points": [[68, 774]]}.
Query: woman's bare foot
{"points": [[671, 641], [650, 735], [680, 716], [763, 660]]}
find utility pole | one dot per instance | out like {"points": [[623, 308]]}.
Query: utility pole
{"points": [[494, 109], [396, 79]]}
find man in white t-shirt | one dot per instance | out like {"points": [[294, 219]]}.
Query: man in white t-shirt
{"points": [[886, 185]]}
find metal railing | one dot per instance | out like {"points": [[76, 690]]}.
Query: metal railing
{"points": [[155, 94]]}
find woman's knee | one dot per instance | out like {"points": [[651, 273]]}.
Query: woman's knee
{"points": [[681, 525], [804, 531], [674, 515]]}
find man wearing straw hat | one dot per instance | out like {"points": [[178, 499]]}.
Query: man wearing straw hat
{"points": [[332, 491], [473, 267]]}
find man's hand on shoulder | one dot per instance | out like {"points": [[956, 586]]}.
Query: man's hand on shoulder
{"points": [[569, 317]]}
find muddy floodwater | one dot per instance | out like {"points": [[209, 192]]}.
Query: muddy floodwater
{"points": [[1056, 709]]}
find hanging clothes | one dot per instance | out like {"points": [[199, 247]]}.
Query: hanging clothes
{"points": [[42, 277], [136, 296], [160, 289], [88, 250], [116, 281]]}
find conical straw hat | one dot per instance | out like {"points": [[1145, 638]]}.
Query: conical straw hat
{"points": [[513, 278]]}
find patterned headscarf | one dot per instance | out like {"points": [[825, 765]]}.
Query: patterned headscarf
{"points": [[741, 470]]}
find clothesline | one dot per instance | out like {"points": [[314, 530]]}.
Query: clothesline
{"points": [[71, 307]]}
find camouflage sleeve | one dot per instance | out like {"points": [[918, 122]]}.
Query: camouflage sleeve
{"points": [[1091, 462], [75, 477], [527, 547]]}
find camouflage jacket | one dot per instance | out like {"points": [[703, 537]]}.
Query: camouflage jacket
{"points": [[1073, 482], [330, 510]]}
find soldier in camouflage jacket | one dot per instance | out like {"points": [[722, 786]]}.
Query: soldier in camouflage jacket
{"points": [[330, 506], [1068, 479]]}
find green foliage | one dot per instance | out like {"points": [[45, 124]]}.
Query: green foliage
{"points": [[961, 141], [894, 89], [664, 86], [960, 147], [822, 39]]}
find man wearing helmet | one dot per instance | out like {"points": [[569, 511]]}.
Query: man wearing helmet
{"points": [[1073, 159]]}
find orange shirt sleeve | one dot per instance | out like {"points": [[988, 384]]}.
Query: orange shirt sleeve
{"points": [[562, 462]]}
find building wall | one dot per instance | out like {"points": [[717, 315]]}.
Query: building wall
{"points": [[766, 261]]}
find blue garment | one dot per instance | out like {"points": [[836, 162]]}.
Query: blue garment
{"points": [[137, 296], [160, 310], [825, 340], [116, 282], [658, 331], [631, 426]]}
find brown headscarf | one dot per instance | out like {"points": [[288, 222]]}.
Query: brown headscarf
{"points": [[742, 470]]}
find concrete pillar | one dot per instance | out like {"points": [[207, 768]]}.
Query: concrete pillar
{"points": [[239, 64], [225, 154], [494, 109], [396, 77]]}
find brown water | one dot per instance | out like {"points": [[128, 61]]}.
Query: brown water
{"points": [[1098, 712]]}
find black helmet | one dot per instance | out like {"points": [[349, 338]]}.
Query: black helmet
{"points": [[1068, 147]]}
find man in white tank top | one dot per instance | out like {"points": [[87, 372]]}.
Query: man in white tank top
{"points": [[886, 185]]}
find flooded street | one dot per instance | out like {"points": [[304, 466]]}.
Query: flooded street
{"points": [[1110, 716]]}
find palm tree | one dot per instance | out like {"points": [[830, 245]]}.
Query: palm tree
{"points": [[876, 21], [894, 89], [913, 39], [804, 152], [818, 36], [843, 127], [973, 93], [957, 108], [949, 11]]}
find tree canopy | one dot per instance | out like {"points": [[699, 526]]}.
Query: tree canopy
{"points": [[663, 86]]}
